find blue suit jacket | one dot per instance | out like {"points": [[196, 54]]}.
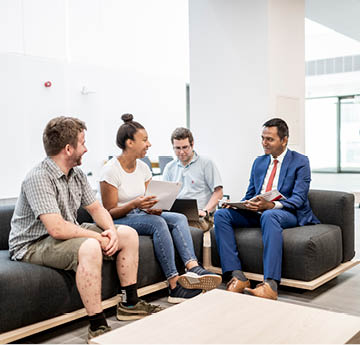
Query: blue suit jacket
{"points": [[294, 183]]}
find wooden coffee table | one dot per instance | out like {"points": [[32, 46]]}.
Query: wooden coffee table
{"points": [[225, 317]]}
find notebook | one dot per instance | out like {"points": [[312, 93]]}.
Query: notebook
{"points": [[272, 195]]}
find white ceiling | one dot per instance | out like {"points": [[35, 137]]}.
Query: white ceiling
{"points": [[342, 16]]}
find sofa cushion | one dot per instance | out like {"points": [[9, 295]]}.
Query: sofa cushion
{"points": [[308, 251], [83, 216], [311, 250], [30, 293]]}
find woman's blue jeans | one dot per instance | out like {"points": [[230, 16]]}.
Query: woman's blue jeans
{"points": [[167, 230]]}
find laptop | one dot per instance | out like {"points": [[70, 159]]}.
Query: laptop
{"points": [[188, 207]]}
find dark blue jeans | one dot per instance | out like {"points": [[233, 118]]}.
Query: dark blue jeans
{"points": [[271, 222], [167, 230]]}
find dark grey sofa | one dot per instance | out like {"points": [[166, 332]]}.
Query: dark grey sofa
{"points": [[32, 293], [308, 251]]}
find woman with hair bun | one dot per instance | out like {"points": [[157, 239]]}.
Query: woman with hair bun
{"points": [[123, 182]]}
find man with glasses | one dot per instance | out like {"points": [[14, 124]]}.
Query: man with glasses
{"points": [[198, 174]]}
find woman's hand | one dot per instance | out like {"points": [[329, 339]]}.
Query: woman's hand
{"points": [[145, 202], [154, 211]]}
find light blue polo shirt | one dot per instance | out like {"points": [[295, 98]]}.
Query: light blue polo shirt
{"points": [[199, 178]]}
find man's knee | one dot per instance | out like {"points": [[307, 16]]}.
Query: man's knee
{"points": [[221, 218], [269, 215], [90, 249], [221, 215]]}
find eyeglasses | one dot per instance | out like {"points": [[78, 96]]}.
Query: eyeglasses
{"points": [[182, 148]]}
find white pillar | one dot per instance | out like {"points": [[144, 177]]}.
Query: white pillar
{"points": [[246, 66]]}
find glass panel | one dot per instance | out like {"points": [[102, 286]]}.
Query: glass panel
{"points": [[350, 135], [321, 133]]}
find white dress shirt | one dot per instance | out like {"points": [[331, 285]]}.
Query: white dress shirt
{"points": [[276, 178]]}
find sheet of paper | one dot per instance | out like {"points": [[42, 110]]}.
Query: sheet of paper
{"points": [[272, 195], [165, 192]]}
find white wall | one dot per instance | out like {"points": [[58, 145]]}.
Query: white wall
{"points": [[132, 54], [246, 66], [286, 67], [228, 89]]}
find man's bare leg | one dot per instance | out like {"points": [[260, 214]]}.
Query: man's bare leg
{"points": [[88, 275], [127, 260]]}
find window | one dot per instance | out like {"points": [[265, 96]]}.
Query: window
{"points": [[349, 134], [332, 135]]}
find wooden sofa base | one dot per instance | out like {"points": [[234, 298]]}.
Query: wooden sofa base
{"points": [[300, 284], [26, 331]]}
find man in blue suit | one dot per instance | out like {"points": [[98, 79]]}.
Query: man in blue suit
{"points": [[278, 169]]}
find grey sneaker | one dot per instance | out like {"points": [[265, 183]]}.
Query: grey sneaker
{"points": [[138, 311], [101, 330], [199, 278]]}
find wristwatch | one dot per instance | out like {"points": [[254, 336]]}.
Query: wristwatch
{"points": [[207, 212]]}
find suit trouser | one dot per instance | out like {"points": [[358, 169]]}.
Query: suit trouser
{"points": [[272, 222]]}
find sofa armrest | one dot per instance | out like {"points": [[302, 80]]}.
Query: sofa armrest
{"points": [[337, 208], [6, 213]]}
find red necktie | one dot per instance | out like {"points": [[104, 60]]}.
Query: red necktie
{"points": [[272, 175]]}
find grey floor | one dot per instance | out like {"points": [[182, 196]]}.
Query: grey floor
{"points": [[341, 294]]}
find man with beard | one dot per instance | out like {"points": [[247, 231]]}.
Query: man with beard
{"points": [[44, 229]]}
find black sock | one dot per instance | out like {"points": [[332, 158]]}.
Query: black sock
{"points": [[239, 275], [97, 320], [129, 295]]}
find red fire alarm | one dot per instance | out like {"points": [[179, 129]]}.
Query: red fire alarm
{"points": [[47, 84]]}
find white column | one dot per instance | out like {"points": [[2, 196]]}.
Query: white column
{"points": [[246, 66]]}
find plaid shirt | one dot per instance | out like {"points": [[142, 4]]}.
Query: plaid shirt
{"points": [[46, 189]]}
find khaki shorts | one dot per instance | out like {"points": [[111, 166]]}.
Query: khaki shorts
{"points": [[203, 224], [61, 254]]}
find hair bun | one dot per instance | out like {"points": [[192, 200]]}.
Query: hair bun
{"points": [[127, 117]]}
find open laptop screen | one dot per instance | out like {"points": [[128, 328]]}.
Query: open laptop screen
{"points": [[188, 207]]}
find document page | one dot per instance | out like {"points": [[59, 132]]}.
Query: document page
{"points": [[272, 195], [165, 192]]}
